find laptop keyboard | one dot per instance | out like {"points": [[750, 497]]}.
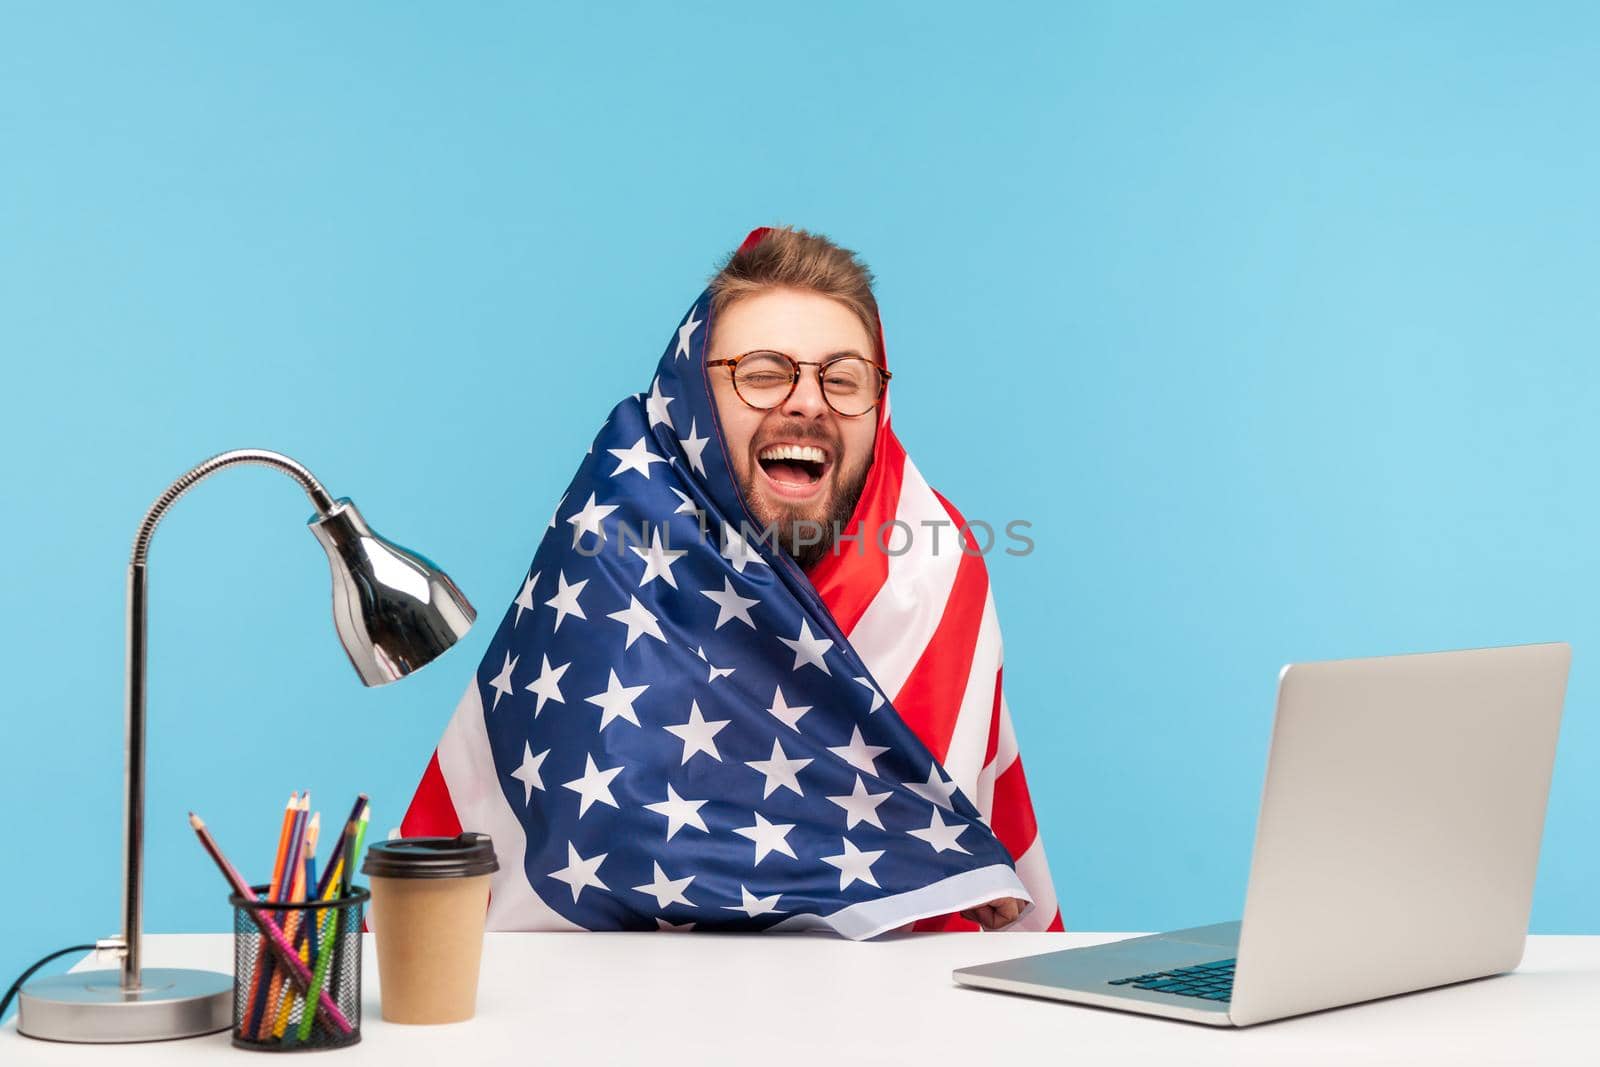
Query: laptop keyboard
{"points": [[1208, 981]]}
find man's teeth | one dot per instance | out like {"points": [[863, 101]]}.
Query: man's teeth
{"points": [[805, 453]]}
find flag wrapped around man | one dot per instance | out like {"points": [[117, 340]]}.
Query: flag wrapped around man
{"points": [[675, 727]]}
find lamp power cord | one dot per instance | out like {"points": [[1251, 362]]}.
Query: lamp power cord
{"points": [[5, 1002]]}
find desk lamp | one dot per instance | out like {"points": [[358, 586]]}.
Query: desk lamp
{"points": [[394, 611]]}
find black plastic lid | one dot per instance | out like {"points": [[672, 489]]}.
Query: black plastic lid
{"points": [[462, 856]]}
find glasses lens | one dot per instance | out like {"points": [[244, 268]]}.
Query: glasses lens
{"points": [[851, 384], [763, 379]]}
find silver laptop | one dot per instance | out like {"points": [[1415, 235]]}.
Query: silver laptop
{"points": [[1395, 848]]}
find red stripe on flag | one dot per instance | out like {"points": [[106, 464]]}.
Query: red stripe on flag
{"points": [[1012, 816], [847, 580], [994, 718], [431, 813], [930, 700], [1055, 926]]}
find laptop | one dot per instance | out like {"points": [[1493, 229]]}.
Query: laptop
{"points": [[1395, 848]]}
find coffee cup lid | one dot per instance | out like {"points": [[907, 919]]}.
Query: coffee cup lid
{"points": [[461, 856]]}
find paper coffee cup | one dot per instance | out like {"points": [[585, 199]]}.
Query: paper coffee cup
{"points": [[429, 899]]}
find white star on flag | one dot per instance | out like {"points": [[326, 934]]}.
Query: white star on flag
{"points": [[780, 771], [854, 865], [580, 873], [686, 507], [666, 890], [858, 753], [547, 685], [595, 785], [877, 697], [694, 447], [697, 734], [808, 648], [940, 834], [639, 620], [658, 560], [769, 837], [860, 805], [679, 812], [754, 905], [737, 551], [524, 601], [730, 605], [566, 599], [528, 772], [656, 405], [501, 683], [617, 701], [551, 525], [789, 716], [588, 519], [672, 928], [934, 790], [715, 671], [685, 332], [637, 457]]}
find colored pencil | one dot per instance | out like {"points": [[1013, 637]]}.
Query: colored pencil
{"points": [[289, 811], [293, 872], [282, 995], [335, 881], [280, 947]]}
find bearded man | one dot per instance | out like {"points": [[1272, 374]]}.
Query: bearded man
{"points": [[752, 679]]}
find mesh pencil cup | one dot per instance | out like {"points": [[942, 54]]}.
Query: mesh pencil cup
{"points": [[272, 1011]]}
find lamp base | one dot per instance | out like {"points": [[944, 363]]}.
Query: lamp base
{"points": [[91, 1006]]}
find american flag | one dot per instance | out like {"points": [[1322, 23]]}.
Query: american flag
{"points": [[674, 727]]}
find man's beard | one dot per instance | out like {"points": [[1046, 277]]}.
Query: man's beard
{"points": [[791, 525]]}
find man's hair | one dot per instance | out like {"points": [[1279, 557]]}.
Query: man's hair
{"points": [[789, 257]]}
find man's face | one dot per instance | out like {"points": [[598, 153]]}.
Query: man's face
{"points": [[783, 491]]}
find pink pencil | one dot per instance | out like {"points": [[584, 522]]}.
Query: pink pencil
{"points": [[287, 956]]}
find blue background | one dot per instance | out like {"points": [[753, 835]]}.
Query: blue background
{"points": [[1278, 325]]}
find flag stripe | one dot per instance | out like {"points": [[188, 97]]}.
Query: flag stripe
{"points": [[849, 581]]}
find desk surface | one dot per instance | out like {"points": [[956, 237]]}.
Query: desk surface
{"points": [[663, 999]]}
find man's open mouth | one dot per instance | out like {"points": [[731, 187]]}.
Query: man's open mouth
{"points": [[799, 466]]}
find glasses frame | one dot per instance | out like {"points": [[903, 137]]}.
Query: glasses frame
{"points": [[732, 363]]}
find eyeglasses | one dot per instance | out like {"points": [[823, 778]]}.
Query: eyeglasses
{"points": [[851, 385]]}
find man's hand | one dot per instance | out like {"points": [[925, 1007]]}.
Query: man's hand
{"points": [[997, 914]]}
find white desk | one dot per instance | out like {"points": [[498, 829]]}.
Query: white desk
{"points": [[665, 999]]}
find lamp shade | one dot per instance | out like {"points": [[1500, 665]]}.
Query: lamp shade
{"points": [[394, 610]]}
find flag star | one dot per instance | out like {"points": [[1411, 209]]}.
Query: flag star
{"points": [[753, 905], [769, 837], [780, 771], [636, 458], [528, 773], [716, 672], [588, 518], [524, 599], [638, 620], [858, 753], [551, 525], [685, 332], [658, 559], [877, 697], [694, 446], [566, 599], [501, 683], [789, 716], [855, 865], [617, 701], [580, 873], [672, 928], [697, 734], [595, 785], [666, 890], [687, 506], [730, 605], [861, 806], [940, 834], [679, 812], [808, 648], [935, 790], [656, 405], [737, 551], [547, 685]]}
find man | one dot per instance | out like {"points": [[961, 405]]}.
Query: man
{"points": [[789, 698]]}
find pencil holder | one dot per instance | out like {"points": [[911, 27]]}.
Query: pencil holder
{"points": [[313, 1002]]}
